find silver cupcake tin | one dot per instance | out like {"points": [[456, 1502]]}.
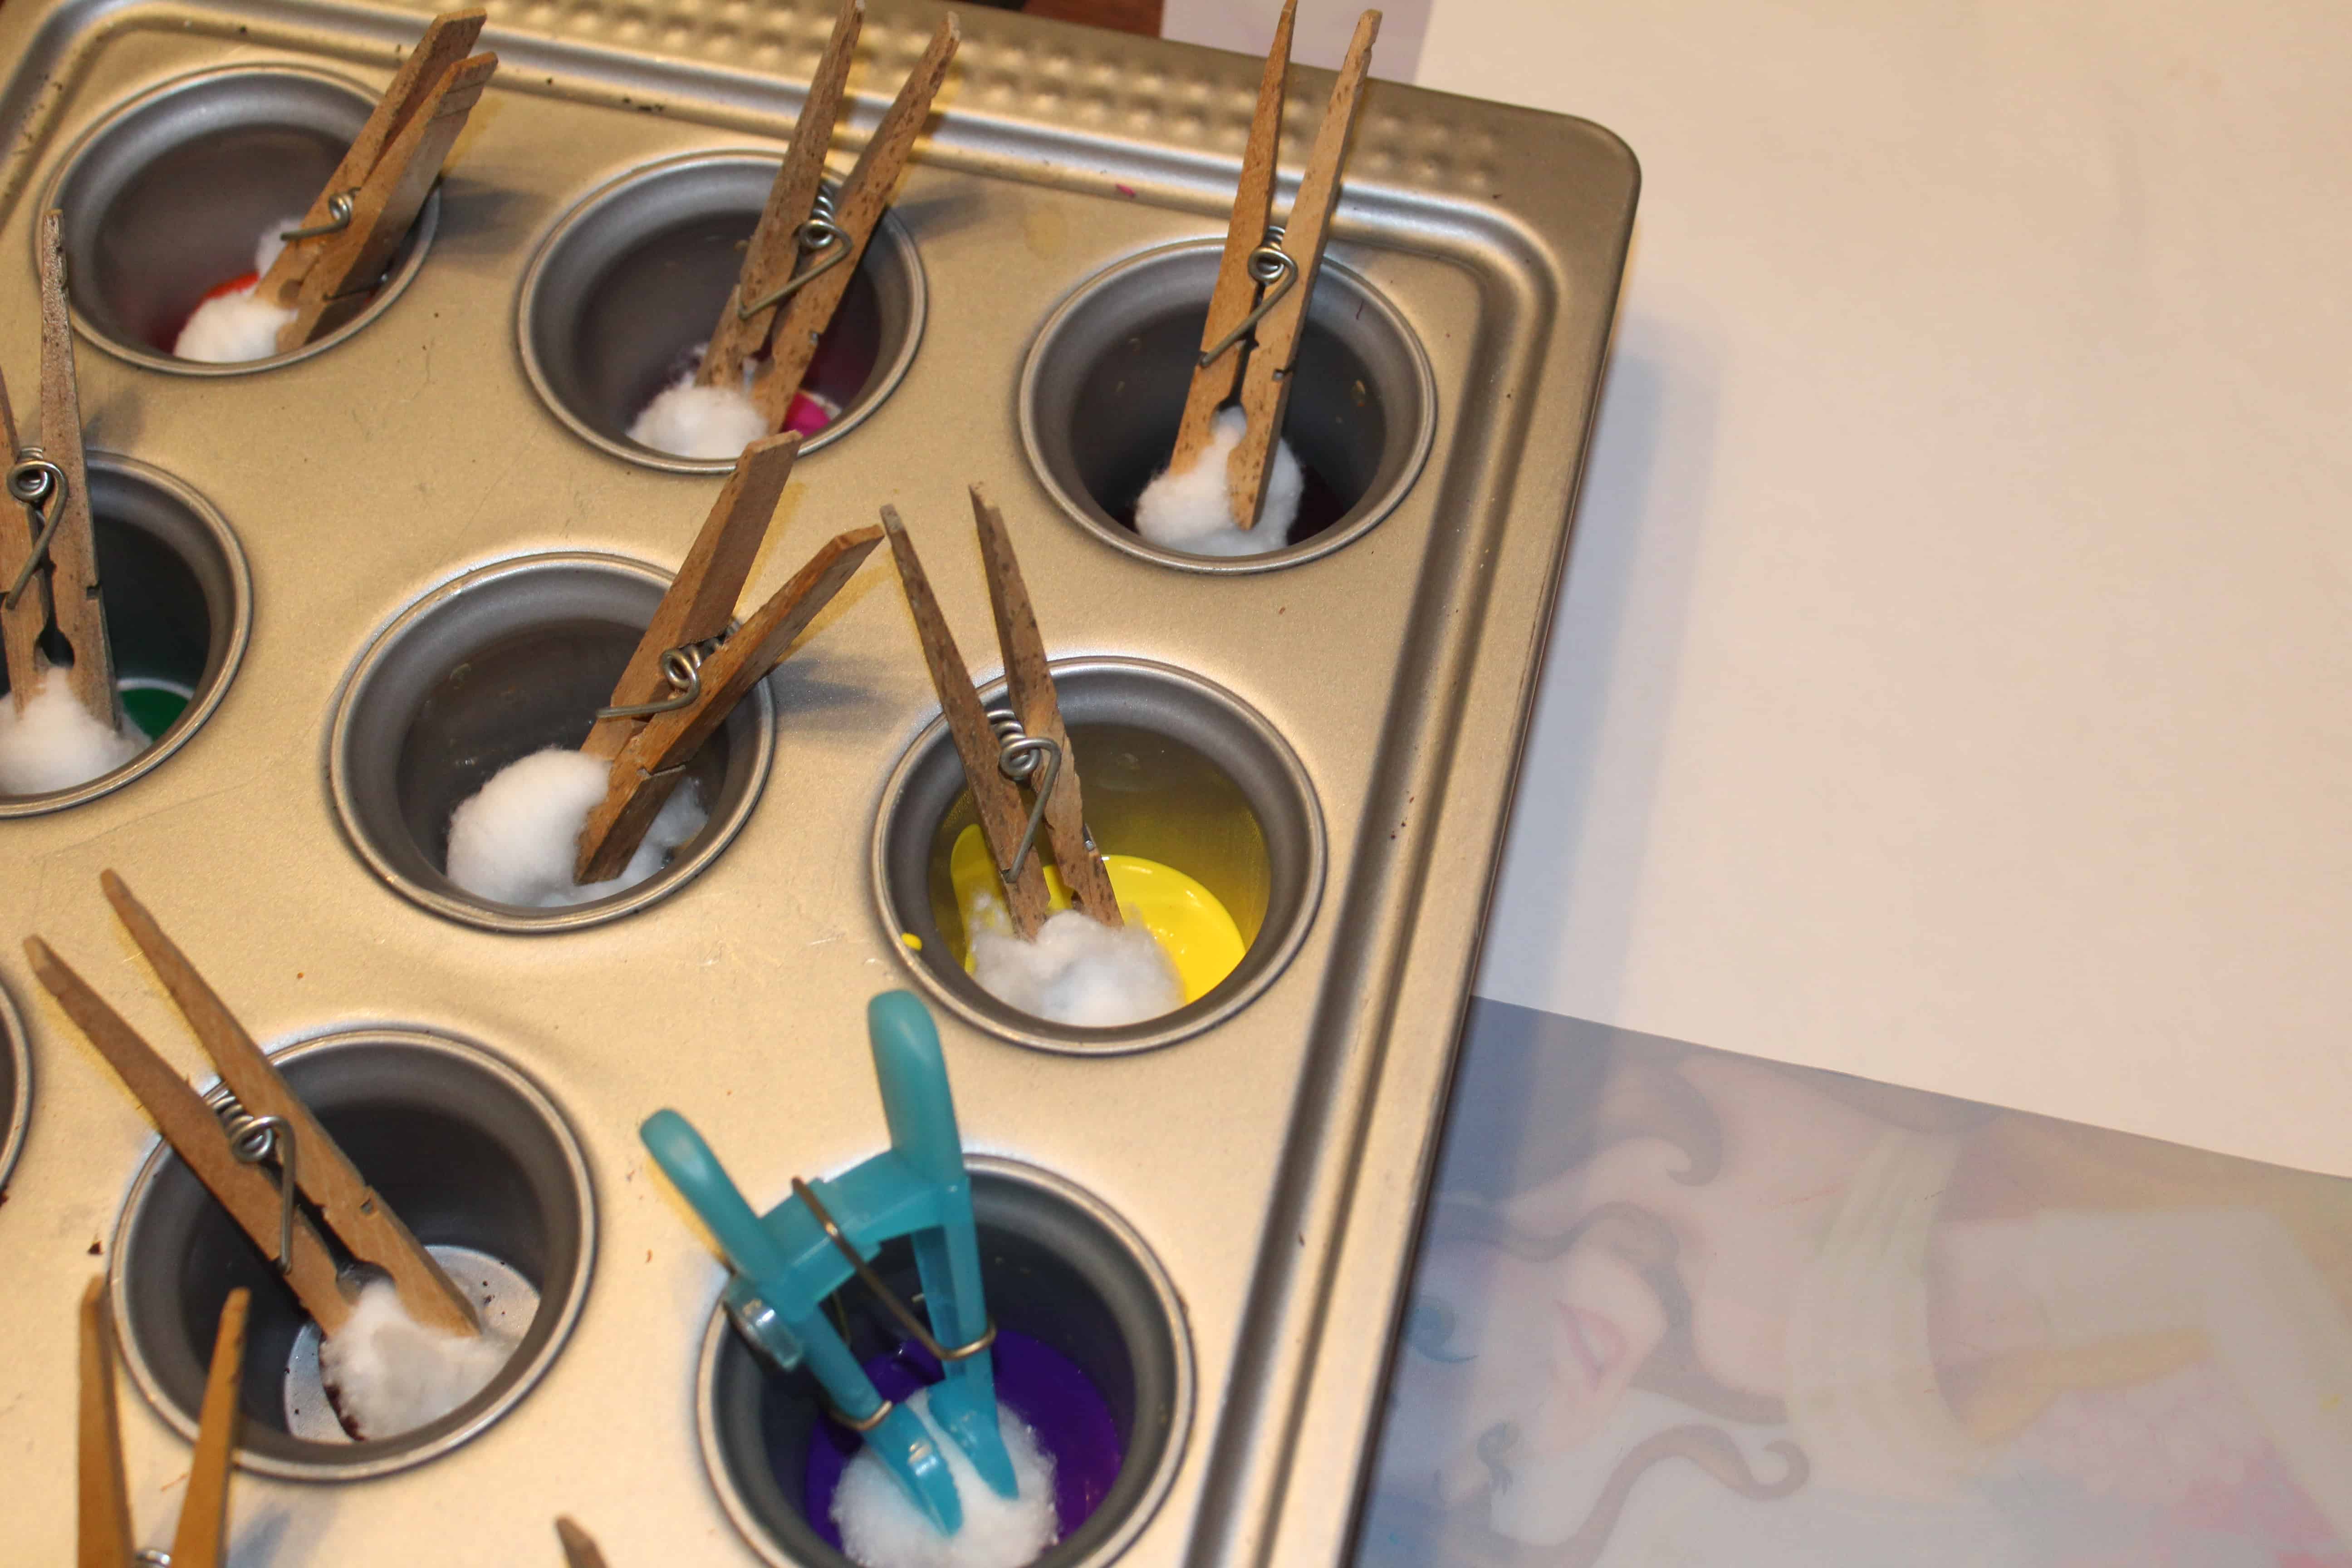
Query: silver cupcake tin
{"points": [[448, 536]]}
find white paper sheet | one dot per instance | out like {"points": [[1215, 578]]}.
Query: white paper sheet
{"points": [[1951, 682]]}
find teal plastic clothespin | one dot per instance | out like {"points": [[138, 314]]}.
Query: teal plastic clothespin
{"points": [[789, 1259]]}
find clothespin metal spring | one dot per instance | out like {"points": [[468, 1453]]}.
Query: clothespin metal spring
{"points": [[40, 487], [682, 667], [253, 1139], [340, 208], [820, 233], [1019, 756], [1269, 264], [899, 1309]]}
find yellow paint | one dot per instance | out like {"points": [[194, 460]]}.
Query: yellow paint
{"points": [[913, 941], [1190, 926]]}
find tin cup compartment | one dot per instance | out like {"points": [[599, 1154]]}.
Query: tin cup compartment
{"points": [[1057, 1267], [507, 660], [166, 200], [1103, 389], [1176, 770], [179, 606], [467, 1151], [16, 1086], [624, 290]]}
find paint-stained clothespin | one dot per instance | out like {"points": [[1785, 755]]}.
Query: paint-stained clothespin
{"points": [[1025, 741], [787, 1261], [200, 1540], [333, 260], [275, 1125], [803, 316], [48, 556], [688, 669], [1257, 312]]}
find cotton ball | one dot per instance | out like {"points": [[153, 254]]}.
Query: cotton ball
{"points": [[690, 421], [390, 1374], [1078, 971], [54, 744], [231, 329], [1191, 511], [881, 1527], [233, 326], [272, 243], [516, 839]]}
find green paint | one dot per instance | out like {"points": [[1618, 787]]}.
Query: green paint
{"points": [[153, 705]]}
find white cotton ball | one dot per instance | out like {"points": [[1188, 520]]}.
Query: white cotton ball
{"points": [[1190, 512], [516, 839], [881, 1527], [690, 421], [390, 1374], [237, 328], [273, 240], [54, 744], [1078, 971], [231, 329]]}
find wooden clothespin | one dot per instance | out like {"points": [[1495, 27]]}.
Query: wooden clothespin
{"points": [[996, 756], [579, 1549], [652, 736], [777, 305], [48, 556], [334, 258], [308, 1159], [200, 1540], [773, 254], [1250, 338]]}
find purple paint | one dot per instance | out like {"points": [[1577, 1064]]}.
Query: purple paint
{"points": [[1036, 1383]]}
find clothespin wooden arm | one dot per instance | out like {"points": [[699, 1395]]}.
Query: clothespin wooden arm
{"points": [[448, 39], [346, 268], [103, 1533], [363, 1221], [647, 769], [995, 799], [200, 1540], [1029, 683], [1236, 290], [71, 599], [1266, 384], [579, 1547], [773, 254], [21, 624], [195, 1135], [700, 602], [865, 197]]}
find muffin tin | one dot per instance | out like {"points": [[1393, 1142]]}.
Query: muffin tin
{"points": [[1231, 1191]]}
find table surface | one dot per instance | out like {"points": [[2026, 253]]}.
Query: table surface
{"points": [[1949, 683]]}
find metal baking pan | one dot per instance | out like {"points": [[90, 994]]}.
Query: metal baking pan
{"points": [[1229, 1195]]}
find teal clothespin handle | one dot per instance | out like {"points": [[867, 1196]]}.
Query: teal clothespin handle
{"points": [[912, 1073], [790, 1324], [705, 1184]]}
